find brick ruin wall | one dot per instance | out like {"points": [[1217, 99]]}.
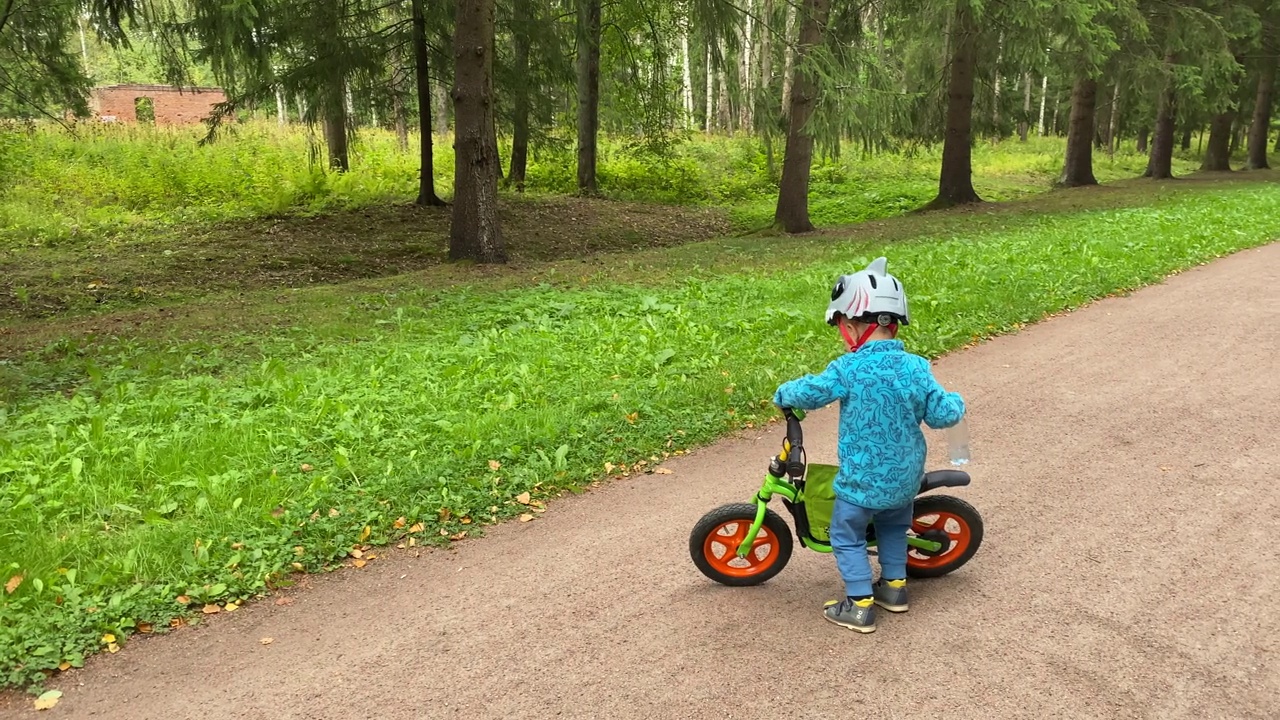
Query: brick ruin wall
{"points": [[173, 106]]}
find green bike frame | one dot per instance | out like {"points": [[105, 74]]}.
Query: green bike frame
{"points": [[775, 485]]}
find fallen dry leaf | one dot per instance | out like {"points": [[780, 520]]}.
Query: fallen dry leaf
{"points": [[113, 648], [211, 609], [417, 528], [307, 467], [662, 471], [284, 601], [365, 533], [357, 553], [108, 638], [333, 512], [412, 542], [633, 417], [13, 584], [267, 641], [523, 498], [47, 700], [526, 517], [277, 512], [299, 550], [465, 521], [177, 623], [64, 666], [298, 567], [145, 627], [608, 467], [445, 514], [359, 563], [458, 536], [231, 607], [399, 523], [494, 465]]}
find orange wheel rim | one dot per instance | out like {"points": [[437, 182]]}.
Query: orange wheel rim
{"points": [[721, 549], [956, 529]]}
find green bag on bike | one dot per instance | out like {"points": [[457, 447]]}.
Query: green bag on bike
{"points": [[815, 504]]}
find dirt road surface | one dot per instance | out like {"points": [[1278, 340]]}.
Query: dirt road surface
{"points": [[1126, 464]]}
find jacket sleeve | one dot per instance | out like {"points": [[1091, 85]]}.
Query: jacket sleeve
{"points": [[942, 409], [811, 391]]}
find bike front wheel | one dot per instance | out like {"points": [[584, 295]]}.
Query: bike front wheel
{"points": [[714, 542]]}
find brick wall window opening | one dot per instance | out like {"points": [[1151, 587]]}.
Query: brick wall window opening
{"points": [[144, 109]]}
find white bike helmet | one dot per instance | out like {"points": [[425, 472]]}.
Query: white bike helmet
{"points": [[871, 296]]}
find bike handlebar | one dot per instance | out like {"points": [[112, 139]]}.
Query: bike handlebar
{"points": [[795, 439]]}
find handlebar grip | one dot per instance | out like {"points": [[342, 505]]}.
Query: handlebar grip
{"points": [[795, 437]]}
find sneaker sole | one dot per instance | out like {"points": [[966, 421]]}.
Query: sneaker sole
{"points": [[864, 629], [893, 608]]}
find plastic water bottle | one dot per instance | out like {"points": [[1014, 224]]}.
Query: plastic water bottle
{"points": [[958, 443]]}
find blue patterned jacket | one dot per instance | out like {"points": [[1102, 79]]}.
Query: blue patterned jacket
{"points": [[884, 393]]}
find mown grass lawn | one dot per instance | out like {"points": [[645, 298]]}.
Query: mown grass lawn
{"points": [[164, 475]]}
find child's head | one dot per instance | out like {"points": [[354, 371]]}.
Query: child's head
{"points": [[868, 305]]}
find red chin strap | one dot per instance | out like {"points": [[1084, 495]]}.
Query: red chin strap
{"points": [[855, 345]]}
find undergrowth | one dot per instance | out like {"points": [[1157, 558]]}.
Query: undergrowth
{"points": [[198, 475], [112, 181]]}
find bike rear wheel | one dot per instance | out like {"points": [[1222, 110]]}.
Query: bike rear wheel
{"points": [[948, 520], [714, 542]]}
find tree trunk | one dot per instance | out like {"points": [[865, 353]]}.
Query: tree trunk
{"points": [[745, 116], [1160, 162], [441, 96], [711, 102], [422, 75], [520, 123], [588, 93], [282, 112], [1143, 133], [792, 213], [1260, 129], [335, 129], [1217, 157], [724, 111], [1186, 136], [398, 109], [474, 233], [995, 99], [1044, 95], [1113, 127], [687, 72], [766, 49], [955, 183], [1078, 169], [1025, 125], [790, 61]]}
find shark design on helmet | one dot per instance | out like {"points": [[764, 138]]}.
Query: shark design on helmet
{"points": [[871, 296]]}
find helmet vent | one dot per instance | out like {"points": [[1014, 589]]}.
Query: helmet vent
{"points": [[872, 278]]}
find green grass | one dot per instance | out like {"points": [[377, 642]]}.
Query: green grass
{"points": [[118, 181], [207, 469]]}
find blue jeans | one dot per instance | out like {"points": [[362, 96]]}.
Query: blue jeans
{"points": [[849, 543]]}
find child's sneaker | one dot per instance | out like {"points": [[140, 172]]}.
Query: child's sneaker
{"points": [[859, 615], [891, 595]]}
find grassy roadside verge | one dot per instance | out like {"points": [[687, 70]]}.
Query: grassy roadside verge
{"points": [[190, 473]]}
